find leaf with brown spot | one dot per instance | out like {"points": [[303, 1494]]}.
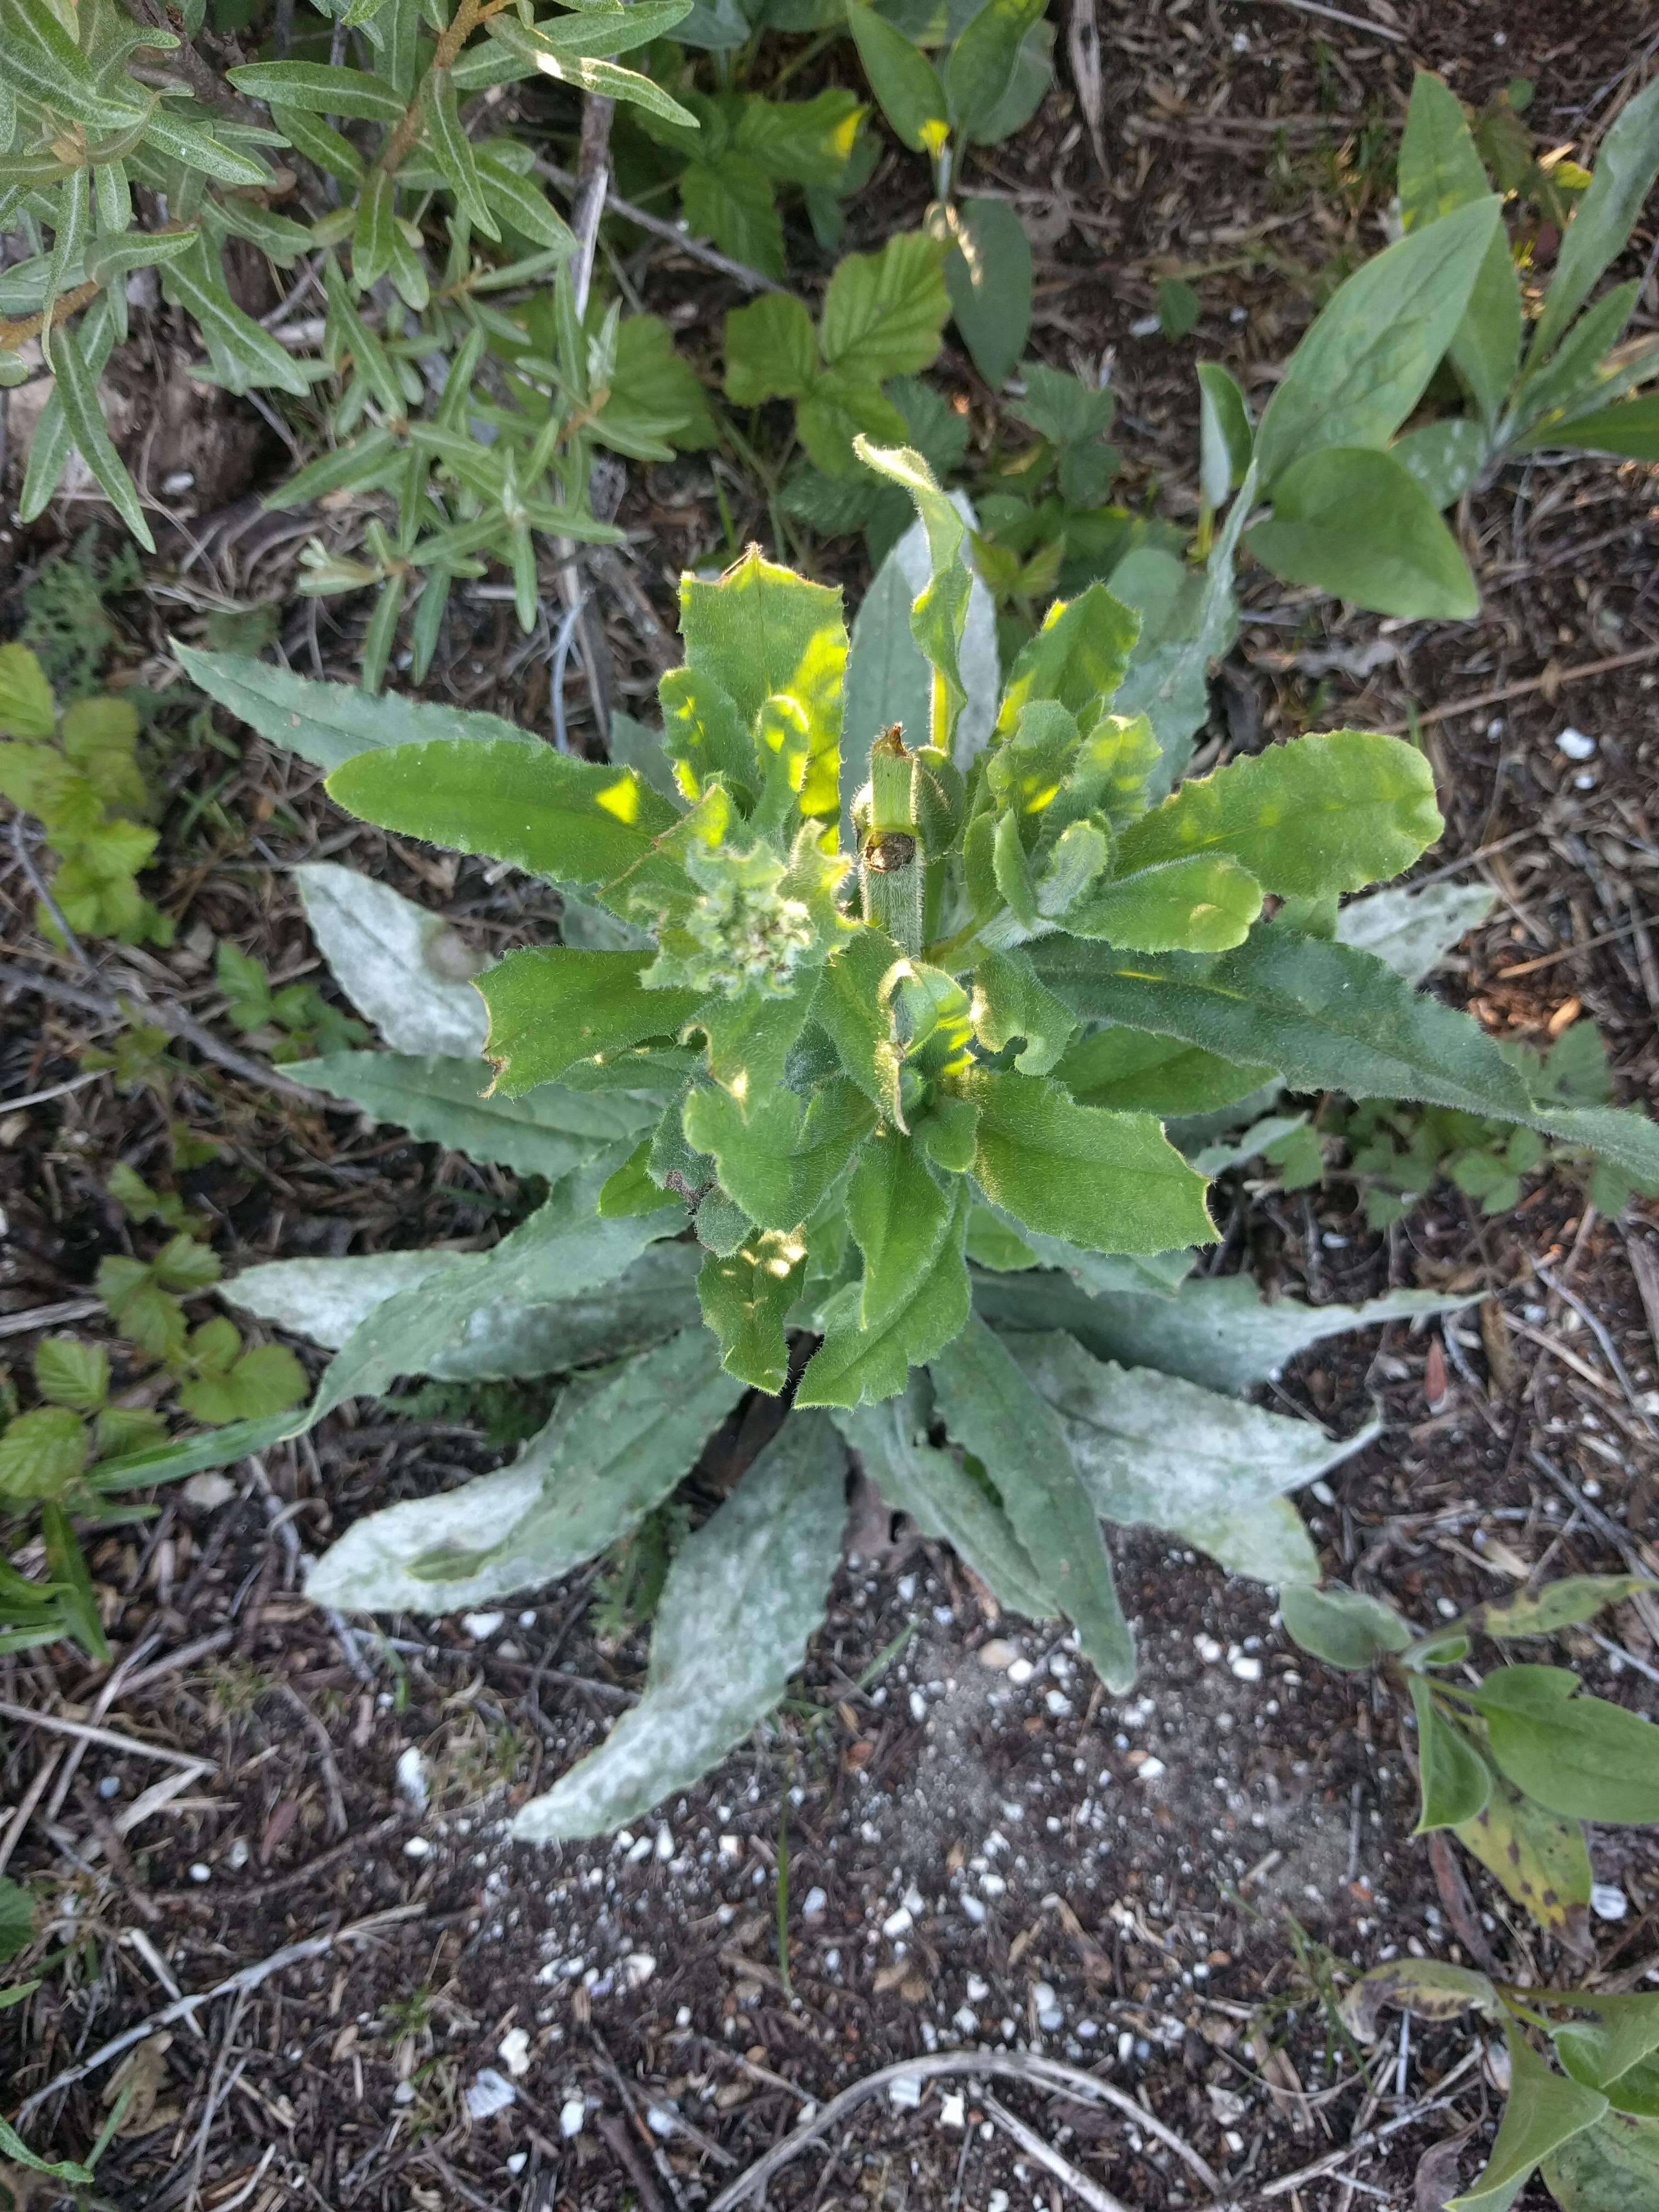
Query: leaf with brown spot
{"points": [[1424, 1987], [1539, 1857], [1438, 2174]]}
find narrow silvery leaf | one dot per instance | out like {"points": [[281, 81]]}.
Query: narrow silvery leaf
{"points": [[546, 1132], [326, 723], [1157, 1452], [992, 1408], [1267, 1543], [402, 968], [588, 1478], [887, 679], [944, 1499], [742, 1598], [1214, 1330], [326, 1299], [564, 1248], [977, 649]]}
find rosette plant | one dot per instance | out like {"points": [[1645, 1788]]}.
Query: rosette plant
{"points": [[849, 1081]]}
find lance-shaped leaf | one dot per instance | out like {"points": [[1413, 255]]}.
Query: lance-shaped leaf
{"points": [[574, 821], [1078, 659], [1544, 2112], [551, 1005], [1111, 1181], [857, 1366], [1364, 365], [76, 389], [1265, 1543], [1204, 903], [326, 1299], [903, 80], [611, 1454], [1626, 163], [992, 1410], [1558, 1605], [1316, 816], [1580, 1756], [1413, 927], [1214, 1330], [402, 968], [1332, 1018], [320, 90], [762, 632], [1628, 429], [1539, 1857], [564, 1248], [1132, 1072], [327, 724], [946, 1499], [1428, 1989], [1157, 1452], [939, 616], [445, 1101], [745, 1295], [742, 1597]]}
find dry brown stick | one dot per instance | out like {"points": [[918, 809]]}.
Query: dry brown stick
{"points": [[59, 1724], [1098, 2199], [659, 227], [1337, 15], [244, 1978], [165, 1015], [1012, 2065], [1508, 691]]}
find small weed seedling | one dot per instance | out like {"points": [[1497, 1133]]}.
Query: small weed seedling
{"points": [[1513, 1762]]}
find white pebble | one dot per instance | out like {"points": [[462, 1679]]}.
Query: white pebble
{"points": [[1208, 1649], [417, 1848], [572, 2113], [208, 1492], [638, 1968], [1020, 1671], [998, 1656], [1150, 1770], [200, 1873], [491, 2093], [899, 1923], [953, 2109], [906, 2091], [1246, 1670], [813, 1903], [513, 2052], [479, 1625], [412, 1780], [1574, 745], [1609, 1901]]}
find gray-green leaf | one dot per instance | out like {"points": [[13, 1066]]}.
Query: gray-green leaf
{"points": [[743, 1596], [402, 968]]}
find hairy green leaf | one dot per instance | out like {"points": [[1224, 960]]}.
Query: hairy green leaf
{"points": [[551, 1004], [1356, 524]]}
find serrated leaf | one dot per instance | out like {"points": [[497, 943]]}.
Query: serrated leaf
{"points": [[742, 1597], [1317, 815], [944, 1499], [402, 967], [328, 724], [1112, 1183], [609, 1456], [1129, 1072], [550, 1005], [856, 1366], [899, 1217], [850, 1005], [991, 1408], [68, 1371], [883, 312], [1329, 1017], [771, 350], [778, 1161], [571, 820], [746, 1296], [443, 1101]]}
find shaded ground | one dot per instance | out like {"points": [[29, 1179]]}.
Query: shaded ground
{"points": [[962, 1840]]}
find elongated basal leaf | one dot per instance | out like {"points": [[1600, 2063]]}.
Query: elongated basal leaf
{"points": [[327, 723], [992, 1409], [742, 1597], [611, 1453], [1330, 1017], [571, 820]]}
